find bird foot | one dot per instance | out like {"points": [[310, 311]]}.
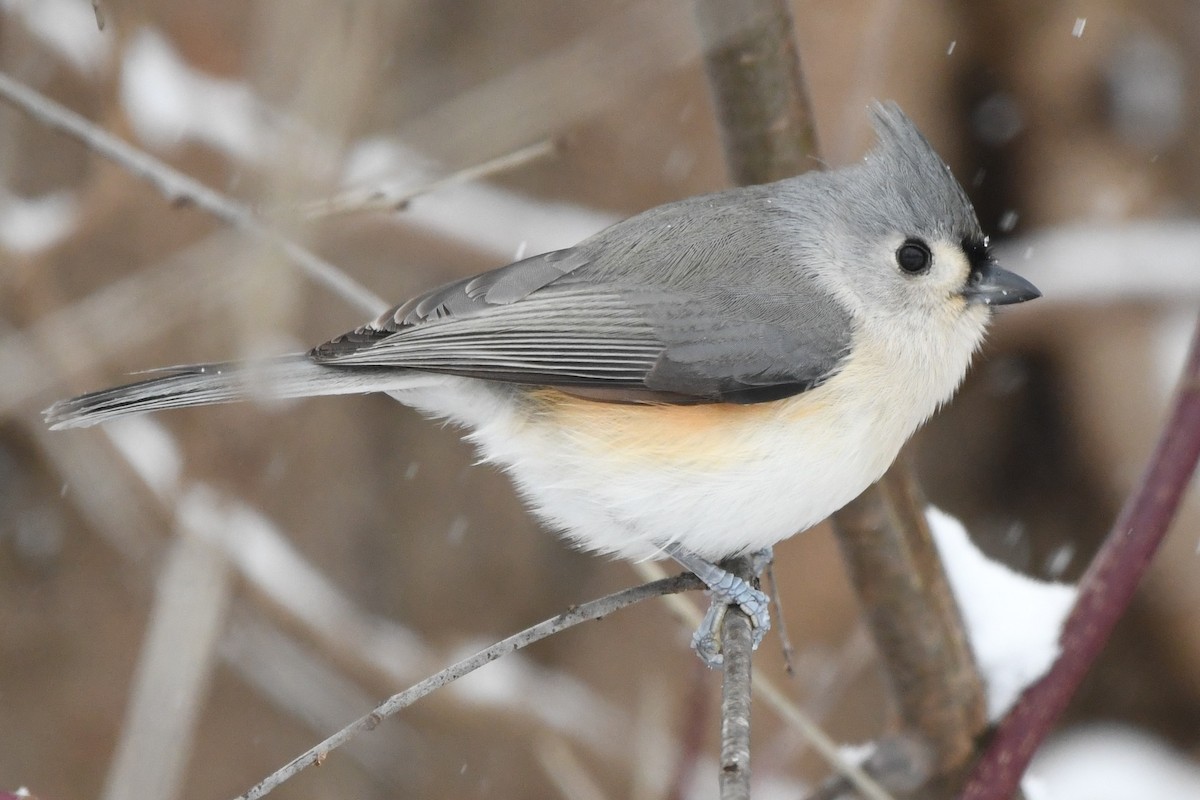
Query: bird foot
{"points": [[726, 589]]}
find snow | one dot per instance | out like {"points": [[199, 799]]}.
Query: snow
{"points": [[1111, 762], [66, 26], [29, 225], [1012, 620]]}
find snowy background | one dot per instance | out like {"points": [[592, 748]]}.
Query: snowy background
{"points": [[214, 590]]}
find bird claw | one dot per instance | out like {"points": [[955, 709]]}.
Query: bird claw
{"points": [[706, 641], [726, 589]]}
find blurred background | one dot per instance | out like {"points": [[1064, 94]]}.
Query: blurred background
{"points": [[187, 602]]}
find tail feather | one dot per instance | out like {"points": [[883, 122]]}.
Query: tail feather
{"points": [[208, 384]]}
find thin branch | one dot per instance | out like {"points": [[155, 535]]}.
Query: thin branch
{"points": [[778, 701], [393, 198], [180, 189], [737, 648], [593, 610], [1151, 261], [781, 628], [1104, 594]]}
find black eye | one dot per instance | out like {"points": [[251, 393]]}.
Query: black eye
{"points": [[914, 257]]}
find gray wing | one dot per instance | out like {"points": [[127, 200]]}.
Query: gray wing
{"points": [[609, 319]]}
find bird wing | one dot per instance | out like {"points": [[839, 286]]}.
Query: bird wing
{"points": [[565, 320]]}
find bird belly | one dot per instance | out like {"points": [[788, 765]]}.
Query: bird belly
{"points": [[717, 479]]}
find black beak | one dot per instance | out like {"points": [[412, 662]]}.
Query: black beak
{"points": [[993, 285]]}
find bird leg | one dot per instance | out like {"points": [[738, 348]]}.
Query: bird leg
{"points": [[726, 590]]}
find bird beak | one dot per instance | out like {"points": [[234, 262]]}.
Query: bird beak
{"points": [[992, 285]]}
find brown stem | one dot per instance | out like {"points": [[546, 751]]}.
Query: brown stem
{"points": [[761, 101], [894, 566], [1104, 594]]}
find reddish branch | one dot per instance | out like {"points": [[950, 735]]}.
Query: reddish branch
{"points": [[1104, 594]]}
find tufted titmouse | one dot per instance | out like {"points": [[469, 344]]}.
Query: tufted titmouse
{"points": [[701, 380]]}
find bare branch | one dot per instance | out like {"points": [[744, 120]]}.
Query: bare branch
{"points": [[594, 610], [778, 701], [785, 639], [754, 72], [737, 647], [393, 198], [894, 566], [179, 189], [1104, 594]]}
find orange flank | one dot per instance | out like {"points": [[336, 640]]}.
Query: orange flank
{"points": [[687, 436]]}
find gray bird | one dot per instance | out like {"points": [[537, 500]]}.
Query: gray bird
{"points": [[699, 381]]}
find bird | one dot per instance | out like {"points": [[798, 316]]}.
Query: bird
{"points": [[699, 381]]}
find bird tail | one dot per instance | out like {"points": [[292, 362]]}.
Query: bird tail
{"points": [[280, 378]]}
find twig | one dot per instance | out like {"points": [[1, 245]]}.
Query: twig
{"points": [[179, 189], [781, 628], [894, 566], [392, 198], [778, 701], [1104, 594], [737, 647], [596, 609], [755, 76]]}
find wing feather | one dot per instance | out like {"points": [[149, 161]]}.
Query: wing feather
{"points": [[584, 318]]}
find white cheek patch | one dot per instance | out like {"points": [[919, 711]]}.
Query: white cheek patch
{"points": [[950, 265]]}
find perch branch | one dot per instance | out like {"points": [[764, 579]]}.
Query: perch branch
{"points": [[1104, 594], [737, 649], [776, 699], [593, 610], [180, 189]]}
